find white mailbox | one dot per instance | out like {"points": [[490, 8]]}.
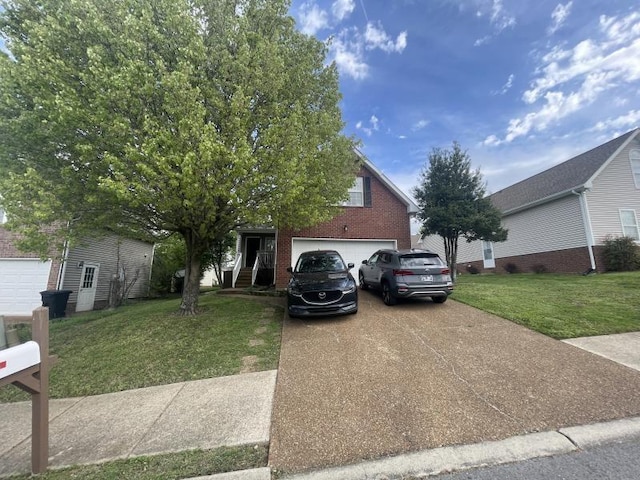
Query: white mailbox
{"points": [[18, 358]]}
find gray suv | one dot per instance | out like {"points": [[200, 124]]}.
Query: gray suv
{"points": [[406, 273]]}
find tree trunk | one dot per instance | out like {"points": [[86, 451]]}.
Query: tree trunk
{"points": [[451, 254], [191, 287]]}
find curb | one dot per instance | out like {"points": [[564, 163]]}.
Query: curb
{"points": [[463, 457], [263, 473]]}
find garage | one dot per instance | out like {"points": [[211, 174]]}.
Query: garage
{"points": [[21, 281], [352, 251]]}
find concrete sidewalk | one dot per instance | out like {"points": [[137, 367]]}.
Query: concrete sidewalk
{"points": [[210, 413]]}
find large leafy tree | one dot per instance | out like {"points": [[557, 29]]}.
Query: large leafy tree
{"points": [[166, 116], [452, 202]]}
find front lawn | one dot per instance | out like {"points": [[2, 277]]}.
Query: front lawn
{"points": [[561, 306], [148, 344]]}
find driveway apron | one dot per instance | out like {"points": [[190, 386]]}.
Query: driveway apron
{"points": [[422, 375]]}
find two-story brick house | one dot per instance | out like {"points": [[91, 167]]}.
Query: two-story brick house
{"points": [[377, 215]]}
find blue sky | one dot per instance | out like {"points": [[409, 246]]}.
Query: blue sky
{"points": [[521, 85]]}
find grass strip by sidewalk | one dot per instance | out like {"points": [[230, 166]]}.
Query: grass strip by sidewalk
{"points": [[148, 343], [560, 306], [193, 463]]}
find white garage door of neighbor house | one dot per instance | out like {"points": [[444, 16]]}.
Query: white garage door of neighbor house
{"points": [[352, 251], [21, 282]]}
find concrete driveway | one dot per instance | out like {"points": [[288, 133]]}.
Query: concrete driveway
{"points": [[421, 375]]}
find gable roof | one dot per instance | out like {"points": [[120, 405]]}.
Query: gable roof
{"points": [[411, 206], [573, 175]]}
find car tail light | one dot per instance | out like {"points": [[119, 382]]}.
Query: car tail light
{"points": [[445, 271], [400, 273]]}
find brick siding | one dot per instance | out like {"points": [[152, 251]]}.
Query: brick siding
{"points": [[572, 260], [9, 250], [387, 218]]}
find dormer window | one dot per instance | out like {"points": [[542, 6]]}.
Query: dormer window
{"points": [[360, 193]]}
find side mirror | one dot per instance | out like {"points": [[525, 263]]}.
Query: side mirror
{"points": [[289, 269], [365, 262], [350, 266]]}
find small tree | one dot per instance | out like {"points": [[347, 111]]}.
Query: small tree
{"points": [[220, 253], [452, 203]]}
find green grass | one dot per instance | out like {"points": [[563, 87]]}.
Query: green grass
{"points": [[148, 344], [560, 306], [188, 464]]}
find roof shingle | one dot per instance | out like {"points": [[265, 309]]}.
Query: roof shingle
{"points": [[563, 177]]}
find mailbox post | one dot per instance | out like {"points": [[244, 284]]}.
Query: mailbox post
{"points": [[27, 367]]}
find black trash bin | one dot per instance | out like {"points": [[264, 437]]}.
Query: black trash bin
{"points": [[56, 300]]}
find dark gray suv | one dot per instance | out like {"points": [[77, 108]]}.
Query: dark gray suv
{"points": [[405, 274]]}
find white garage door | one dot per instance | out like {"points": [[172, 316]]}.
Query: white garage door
{"points": [[352, 251], [21, 282]]}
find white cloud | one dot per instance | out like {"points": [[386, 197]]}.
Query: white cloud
{"points": [[569, 80], [374, 122], [376, 37], [506, 87], [559, 16], [341, 9], [419, 125], [312, 18], [628, 121], [372, 126], [348, 55], [500, 19]]}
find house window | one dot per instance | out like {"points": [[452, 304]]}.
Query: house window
{"points": [[356, 194], [630, 224], [359, 193], [634, 156], [3, 217]]}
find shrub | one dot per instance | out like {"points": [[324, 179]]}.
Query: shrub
{"points": [[539, 268], [472, 269], [621, 254], [511, 268]]}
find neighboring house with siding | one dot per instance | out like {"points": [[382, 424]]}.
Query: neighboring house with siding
{"points": [[87, 270], [561, 217], [377, 215]]}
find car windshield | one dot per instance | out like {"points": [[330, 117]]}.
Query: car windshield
{"points": [[320, 263], [417, 260]]}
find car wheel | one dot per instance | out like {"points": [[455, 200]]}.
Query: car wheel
{"points": [[439, 299], [363, 285], [387, 295]]}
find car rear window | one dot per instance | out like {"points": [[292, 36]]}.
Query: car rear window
{"points": [[416, 260]]}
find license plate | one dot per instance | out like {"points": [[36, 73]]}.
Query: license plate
{"points": [[426, 278]]}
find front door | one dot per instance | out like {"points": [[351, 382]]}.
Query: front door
{"points": [[487, 255], [88, 284], [252, 245]]}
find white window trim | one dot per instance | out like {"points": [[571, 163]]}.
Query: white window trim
{"points": [[358, 187], [634, 160], [3, 216], [622, 224], [488, 262]]}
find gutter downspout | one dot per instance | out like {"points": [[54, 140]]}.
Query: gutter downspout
{"points": [[587, 224]]}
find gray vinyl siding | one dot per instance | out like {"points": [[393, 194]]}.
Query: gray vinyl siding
{"points": [[557, 225], [613, 189], [134, 255], [553, 226]]}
